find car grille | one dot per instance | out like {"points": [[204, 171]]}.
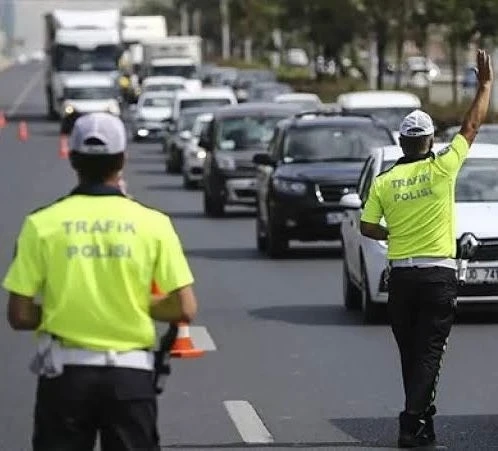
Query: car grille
{"points": [[487, 250], [332, 193], [245, 165], [478, 290]]}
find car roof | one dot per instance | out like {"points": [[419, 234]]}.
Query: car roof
{"points": [[156, 94], [260, 108], [479, 150], [372, 99], [196, 110], [160, 79], [297, 96], [304, 120], [206, 93]]}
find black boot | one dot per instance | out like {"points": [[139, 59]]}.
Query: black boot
{"points": [[415, 430], [429, 421]]}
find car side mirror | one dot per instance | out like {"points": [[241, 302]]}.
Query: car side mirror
{"points": [[351, 201], [263, 159], [186, 135]]}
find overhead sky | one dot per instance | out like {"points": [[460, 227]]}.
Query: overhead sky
{"points": [[29, 17]]}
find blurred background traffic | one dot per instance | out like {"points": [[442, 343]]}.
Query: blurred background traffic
{"points": [[321, 47]]}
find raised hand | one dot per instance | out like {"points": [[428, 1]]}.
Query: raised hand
{"points": [[484, 70]]}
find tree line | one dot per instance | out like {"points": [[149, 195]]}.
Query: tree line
{"points": [[251, 28]]}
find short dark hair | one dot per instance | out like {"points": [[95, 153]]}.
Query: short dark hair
{"points": [[413, 145], [96, 168]]}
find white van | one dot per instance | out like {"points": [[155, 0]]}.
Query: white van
{"points": [[389, 106], [206, 97], [89, 93]]}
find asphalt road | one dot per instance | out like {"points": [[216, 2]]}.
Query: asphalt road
{"points": [[308, 374]]}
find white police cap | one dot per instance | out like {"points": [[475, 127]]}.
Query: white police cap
{"points": [[105, 127], [416, 124]]}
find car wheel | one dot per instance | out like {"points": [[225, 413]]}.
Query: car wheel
{"points": [[212, 207], [371, 311], [277, 242], [261, 239], [351, 294]]}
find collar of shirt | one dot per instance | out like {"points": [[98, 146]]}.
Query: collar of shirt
{"points": [[99, 189], [413, 158]]}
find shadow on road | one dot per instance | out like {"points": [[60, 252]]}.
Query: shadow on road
{"points": [[251, 253], [225, 254], [30, 117], [313, 315], [185, 214], [152, 171], [163, 187], [477, 314], [131, 160], [457, 432]]}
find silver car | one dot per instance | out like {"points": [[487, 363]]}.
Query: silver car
{"points": [[193, 154], [151, 113]]}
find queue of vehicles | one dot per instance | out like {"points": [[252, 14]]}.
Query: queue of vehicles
{"points": [[305, 167]]}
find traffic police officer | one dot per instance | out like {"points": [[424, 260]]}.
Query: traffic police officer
{"points": [[92, 256], [417, 201]]}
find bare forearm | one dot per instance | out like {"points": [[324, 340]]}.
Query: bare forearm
{"points": [[26, 318], [476, 113], [180, 305], [374, 231]]}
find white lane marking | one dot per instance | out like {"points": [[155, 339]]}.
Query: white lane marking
{"points": [[201, 338], [24, 93], [247, 422]]}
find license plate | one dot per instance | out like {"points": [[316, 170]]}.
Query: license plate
{"points": [[334, 218], [482, 275]]}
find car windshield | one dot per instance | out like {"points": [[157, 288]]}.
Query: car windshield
{"points": [[187, 120], [201, 103], [167, 87], [269, 92], [175, 71], [322, 143], [158, 102], [477, 181], [246, 132], [391, 116], [91, 93], [73, 59]]}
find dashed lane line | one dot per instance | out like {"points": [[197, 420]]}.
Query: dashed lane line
{"points": [[248, 423], [24, 93]]}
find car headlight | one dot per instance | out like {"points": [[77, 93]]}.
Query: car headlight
{"points": [[201, 154], [289, 186], [69, 109], [114, 109], [225, 162]]}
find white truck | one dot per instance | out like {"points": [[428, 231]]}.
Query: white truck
{"points": [[173, 56], [79, 41], [137, 30]]}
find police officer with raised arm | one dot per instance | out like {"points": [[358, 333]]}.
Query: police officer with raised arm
{"points": [[420, 231], [92, 256]]}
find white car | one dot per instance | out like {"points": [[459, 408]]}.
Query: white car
{"points": [[365, 260], [90, 93], [151, 113], [163, 83], [307, 100], [206, 97], [389, 106], [193, 154]]}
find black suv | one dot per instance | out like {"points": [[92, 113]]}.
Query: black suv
{"points": [[234, 136], [313, 159]]}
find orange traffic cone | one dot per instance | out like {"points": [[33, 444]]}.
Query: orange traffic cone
{"points": [[22, 131], [3, 120], [63, 147], [183, 347]]}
